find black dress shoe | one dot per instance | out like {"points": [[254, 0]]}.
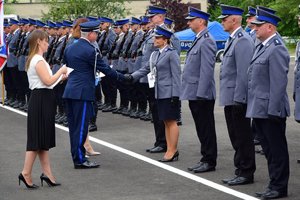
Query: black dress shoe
{"points": [[226, 180], [92, 127], [86, 165], [158, 149], [195, 166], [204, 167], [273, 194], [174, 158], [149, 149], [240, 181], [259, 194]]}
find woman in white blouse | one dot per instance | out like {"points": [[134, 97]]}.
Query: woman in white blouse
{"points": [[41, 110]]}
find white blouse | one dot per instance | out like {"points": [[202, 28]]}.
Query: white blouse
{"points": [[33, 78]]}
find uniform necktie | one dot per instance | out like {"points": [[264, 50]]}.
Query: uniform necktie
{"points": [[260, 47]]}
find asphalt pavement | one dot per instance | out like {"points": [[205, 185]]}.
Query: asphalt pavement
{"points": [[127, 172]]}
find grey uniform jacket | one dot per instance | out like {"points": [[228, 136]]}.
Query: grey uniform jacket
{"points": [[198, 73], [297, 82], [22, 57], [109, 40], [12, 60], [168, 73], [233, 73], [122, 65], [57, 53], [115, 61], [133, 48], [268, 80]]}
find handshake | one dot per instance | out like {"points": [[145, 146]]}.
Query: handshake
{"points": [[128, 79]]}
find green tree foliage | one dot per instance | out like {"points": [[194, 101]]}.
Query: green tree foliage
{"points": [[286, 10], [71, 9]]}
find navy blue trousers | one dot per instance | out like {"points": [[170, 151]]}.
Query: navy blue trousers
{"points": [[79, 114]]}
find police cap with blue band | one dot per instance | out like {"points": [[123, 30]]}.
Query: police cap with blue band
{"points": [[51, 24], [92, 18], [161, 32], [144, 20], [39, 23], [23, 21], [59, 24], [154, 10], [13, 21], [135, 20], [32, 21], [251, 11], [90, 26], [230, 10], [168, 21], [266, 9], [196, 13], [106, 19], [121, 22], [67, 23], [263, 17]]}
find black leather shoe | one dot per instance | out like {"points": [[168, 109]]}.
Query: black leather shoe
{"points": [[204, 167], [226, 180], [86, 165], [195, 166], [92, 127], [158, 149], [259, 194], [273, 194], [149, 149], [240, 181]]}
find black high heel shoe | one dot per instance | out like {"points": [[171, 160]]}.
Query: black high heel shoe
{"points": [[45, 178], [21, 178], [174, 158]]}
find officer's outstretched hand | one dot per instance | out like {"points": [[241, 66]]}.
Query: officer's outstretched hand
{"points": [[128, 79]]}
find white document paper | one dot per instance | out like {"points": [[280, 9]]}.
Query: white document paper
{"points": [[151, 80], [69, 70], [101, 75], [58, 80]]}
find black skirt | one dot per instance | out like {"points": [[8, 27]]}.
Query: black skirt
{"points": [[167, 110], [41, 120]]}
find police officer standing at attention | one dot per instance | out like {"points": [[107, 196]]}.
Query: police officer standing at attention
{"points": [[296, 95], [198, 86], [268, 102], [79, 93], [238, 53], [12, 62], [105, 43]]}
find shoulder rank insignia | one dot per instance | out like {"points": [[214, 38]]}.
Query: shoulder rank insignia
{"points": [[206, 35], [277, 42], [240, 34]]}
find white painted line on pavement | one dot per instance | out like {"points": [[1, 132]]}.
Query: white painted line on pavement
{"points": [[157, 164]]}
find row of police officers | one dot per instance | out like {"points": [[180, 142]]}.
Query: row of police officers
{"points": [[253, 80]]}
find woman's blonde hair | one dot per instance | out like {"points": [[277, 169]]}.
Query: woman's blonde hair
{"points": [[33, 44], [76, 28]]}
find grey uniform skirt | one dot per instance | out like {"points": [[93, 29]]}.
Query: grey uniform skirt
{"points": [[41, 120]]}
